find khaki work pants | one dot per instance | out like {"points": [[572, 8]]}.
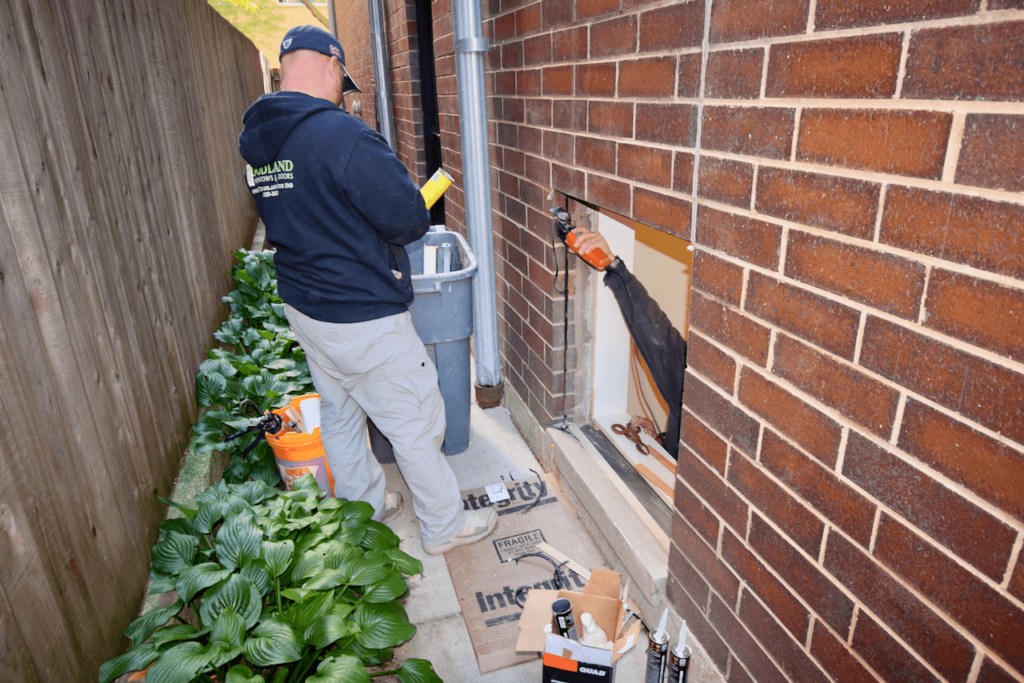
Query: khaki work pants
{"points": [[380, 368]]}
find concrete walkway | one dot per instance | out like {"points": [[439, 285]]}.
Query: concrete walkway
{"points": [[495, 450]]}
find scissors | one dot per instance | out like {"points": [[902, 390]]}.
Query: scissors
{"points": [[633, 434]]}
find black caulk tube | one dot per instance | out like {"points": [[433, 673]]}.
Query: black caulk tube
{"points": [[565, 623], [657, 648], [679, 659]]}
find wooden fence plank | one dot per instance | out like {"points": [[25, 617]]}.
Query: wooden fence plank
{"points": [[120, 202], [15, 662], [41, 240]]}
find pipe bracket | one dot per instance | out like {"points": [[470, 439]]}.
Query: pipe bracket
{"points": [[473, 45]]}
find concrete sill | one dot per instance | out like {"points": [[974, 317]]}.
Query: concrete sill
{"points": [[630, 539]]}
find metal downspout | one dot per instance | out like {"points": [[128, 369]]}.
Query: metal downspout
{"points": [[382, 83], [332, 18], [470, 48]]}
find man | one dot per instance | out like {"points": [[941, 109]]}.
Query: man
{"points": [[339, 207], [661, 345]]}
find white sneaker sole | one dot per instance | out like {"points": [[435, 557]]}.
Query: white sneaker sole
{"points": [[462, 540]]}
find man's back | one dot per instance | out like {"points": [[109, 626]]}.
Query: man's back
{"points": [[338, 206]]}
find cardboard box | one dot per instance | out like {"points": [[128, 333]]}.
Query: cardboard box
{"points": [[567, 661]]}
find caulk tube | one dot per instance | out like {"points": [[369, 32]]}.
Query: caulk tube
{"points": [[679, 659], [564, 621], [657, 648]]}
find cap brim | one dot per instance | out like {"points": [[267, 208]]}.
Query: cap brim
{"points": [[347, 84]]}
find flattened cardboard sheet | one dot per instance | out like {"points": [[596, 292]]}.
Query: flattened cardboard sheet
{"points": [[487, 577]]}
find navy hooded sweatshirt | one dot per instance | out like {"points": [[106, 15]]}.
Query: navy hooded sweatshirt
{"points": [[338, 205]]}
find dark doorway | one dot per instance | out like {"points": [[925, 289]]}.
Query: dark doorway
{"points": [[428, 99]]}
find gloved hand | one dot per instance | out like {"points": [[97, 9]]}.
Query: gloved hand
{"points": [[645, 424], [587, 241]]}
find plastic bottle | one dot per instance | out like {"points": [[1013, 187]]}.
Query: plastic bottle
{"points": [[593, 635]]}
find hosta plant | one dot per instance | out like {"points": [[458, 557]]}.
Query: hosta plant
{"points": [[273, 586], [259, 359]]}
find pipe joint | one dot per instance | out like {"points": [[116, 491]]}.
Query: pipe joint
{"points": [[473, 45]]}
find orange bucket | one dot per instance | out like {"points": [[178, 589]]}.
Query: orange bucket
{"points": [[297, 453]]}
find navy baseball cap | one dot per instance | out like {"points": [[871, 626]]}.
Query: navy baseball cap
{"points": [[318, 40]]}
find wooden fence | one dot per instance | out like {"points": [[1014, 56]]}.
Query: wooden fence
{"points": [[121, 199]]}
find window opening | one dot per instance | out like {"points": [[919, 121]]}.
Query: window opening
{"points": [[623, 386]]}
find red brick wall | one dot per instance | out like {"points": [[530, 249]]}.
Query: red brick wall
{"points": [[354, 34], [851, 492], [353, 22]]}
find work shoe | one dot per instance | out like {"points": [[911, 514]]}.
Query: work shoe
{"points": [[392, 506], [479, 523]]}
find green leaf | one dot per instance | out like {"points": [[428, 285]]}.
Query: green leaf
{"points": [[261, 275], [240, 673], [250, 336], [389, 588], [160, 582], [217, 366], [229, 332], [296, 594], [405, 563], [278, 556], [326, 630], [302, 614], [350, 646], [196, 578], [188, 512], [181, 525], [136, 659], [332, 504], [140, 629], [273, 642], [210, 389], [170, 634], [329, 578], [311, 563], [357, 511], [236, 593], [209, 515], [342, 608], [417, 671], [174, 553], [344, 669], [256, 573], [283, 364], [306, 482], [239, 541], [229, 629], [381, 626], [339, 553], [351, 531], [252, 492], [180, 664], [366, 570], [237, 471], [212, 511], [379, 537], [266, 473], [248, 369], [218, 491]]}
